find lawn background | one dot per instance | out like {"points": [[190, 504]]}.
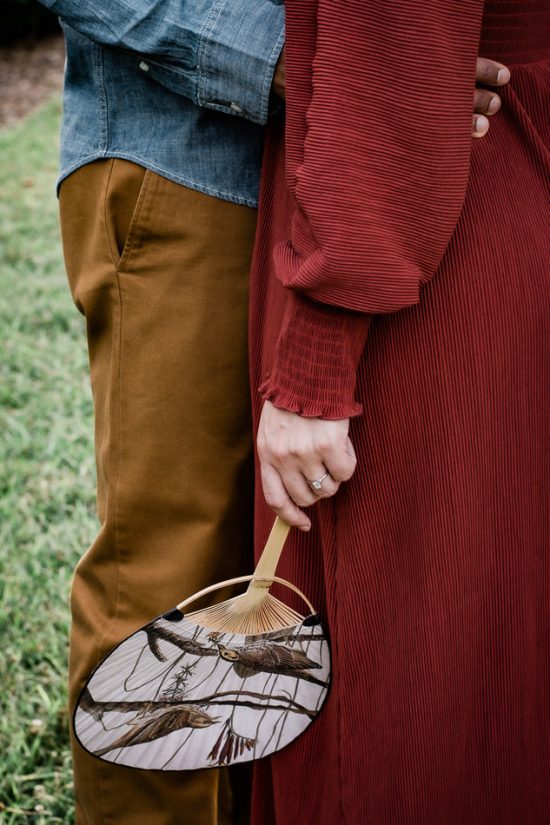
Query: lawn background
{"points": [[47, 476]]}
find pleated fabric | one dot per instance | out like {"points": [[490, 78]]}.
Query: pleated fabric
{"points": [[427, 320]]}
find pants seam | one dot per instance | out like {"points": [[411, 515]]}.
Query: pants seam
{"points": [[114, 505]]}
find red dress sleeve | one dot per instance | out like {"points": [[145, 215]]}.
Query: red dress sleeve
{"points": [[379, 106]]}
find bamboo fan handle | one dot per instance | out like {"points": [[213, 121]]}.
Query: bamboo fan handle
{"points": [[268, 561], [264, 574], [266, 583]]}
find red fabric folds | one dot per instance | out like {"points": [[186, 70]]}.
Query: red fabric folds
{"points": [[377, 170], [323, 346], [431, 566]]}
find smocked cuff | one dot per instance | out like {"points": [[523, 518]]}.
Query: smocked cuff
{"points": [[315, 360], [238, 52]]}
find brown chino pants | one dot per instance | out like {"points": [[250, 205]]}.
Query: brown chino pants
{"points": [[161, 274]]}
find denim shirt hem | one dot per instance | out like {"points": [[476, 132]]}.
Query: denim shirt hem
{"points": [[165, 173]]}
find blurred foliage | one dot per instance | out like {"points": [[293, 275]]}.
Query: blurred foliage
{"points": [[24, 19]]}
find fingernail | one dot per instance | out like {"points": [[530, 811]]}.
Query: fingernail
{"points": [[482, 124], [494, 104], [503, 75]]}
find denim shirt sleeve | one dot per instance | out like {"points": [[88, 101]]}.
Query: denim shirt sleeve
{"points": [[253, 31], [221, 54]]}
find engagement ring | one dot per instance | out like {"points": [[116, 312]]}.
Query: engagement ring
{"points": [[318, 483]]}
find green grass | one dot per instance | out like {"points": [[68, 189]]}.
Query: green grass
{"points": [[46, 476]]}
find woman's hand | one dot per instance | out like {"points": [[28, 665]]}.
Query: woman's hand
{"points": [[294, 450]]}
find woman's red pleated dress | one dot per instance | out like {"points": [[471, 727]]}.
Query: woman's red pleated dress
{"points": [[401, 278]]}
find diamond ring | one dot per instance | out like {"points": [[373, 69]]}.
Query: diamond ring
{"points": [[318, 483]]}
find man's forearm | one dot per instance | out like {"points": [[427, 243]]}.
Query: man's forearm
{"points": [[221, 55]]}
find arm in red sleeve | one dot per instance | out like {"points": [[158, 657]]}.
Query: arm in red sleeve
{"points": [[315, 360], [378, 146]]}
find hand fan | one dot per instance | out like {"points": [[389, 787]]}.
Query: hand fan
{"points": [[224, 684]]}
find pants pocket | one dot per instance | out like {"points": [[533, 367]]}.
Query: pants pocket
{"points": [[124, 201]]}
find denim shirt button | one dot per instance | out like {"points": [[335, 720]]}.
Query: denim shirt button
{"points": [[236, 108], [144, 66]]}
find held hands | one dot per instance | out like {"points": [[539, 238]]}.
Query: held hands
{"points": [[486, 102], [294, 450]]}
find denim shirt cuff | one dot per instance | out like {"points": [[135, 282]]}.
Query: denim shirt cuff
{"points": [[239, 47]]}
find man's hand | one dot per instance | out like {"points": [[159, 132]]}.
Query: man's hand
{"points": [[294, 450], [486, 102], [279, 78]]}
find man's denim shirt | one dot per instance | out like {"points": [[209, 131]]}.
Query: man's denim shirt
{"points": [[179, 86]]}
